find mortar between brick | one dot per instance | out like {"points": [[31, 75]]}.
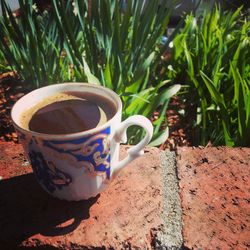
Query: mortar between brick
{"points": [[171, 235]]}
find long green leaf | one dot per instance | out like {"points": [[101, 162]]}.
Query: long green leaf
{"points": [[160, 138]]}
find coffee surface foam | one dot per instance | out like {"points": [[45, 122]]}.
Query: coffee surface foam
{"points": [[27, 115]]}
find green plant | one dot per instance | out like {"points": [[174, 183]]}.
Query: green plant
{"points": [[212, 55], [3, 64], [31, 45], [120, 49]]}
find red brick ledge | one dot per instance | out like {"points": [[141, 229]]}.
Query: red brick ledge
{"points": [[125, 216], [139, 210], [215, 194]]}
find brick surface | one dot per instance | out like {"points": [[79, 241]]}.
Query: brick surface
{"points": [[122, 217], [215, 193]]}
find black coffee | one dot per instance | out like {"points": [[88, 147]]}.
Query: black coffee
{"points": [[75, 112]]}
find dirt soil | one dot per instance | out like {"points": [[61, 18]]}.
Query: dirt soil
{"points": [[179, 127], [11, 89]]}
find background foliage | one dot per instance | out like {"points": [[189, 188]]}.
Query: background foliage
{"points": [[97, 41], [31, 45], [211, 55], [120, 47]]}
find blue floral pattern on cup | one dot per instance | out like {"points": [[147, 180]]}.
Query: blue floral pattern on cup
{"points": [[91, 153], [49, 176]]}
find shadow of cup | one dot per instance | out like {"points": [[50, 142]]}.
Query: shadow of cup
{"points": [[26, 210]]}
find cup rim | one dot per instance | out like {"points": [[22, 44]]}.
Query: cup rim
{"points": [[70, 135]]}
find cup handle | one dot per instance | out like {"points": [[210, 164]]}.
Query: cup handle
{"points": [[121, 136]]}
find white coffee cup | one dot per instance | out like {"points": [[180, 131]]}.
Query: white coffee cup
{"points": [[80, 165]]}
